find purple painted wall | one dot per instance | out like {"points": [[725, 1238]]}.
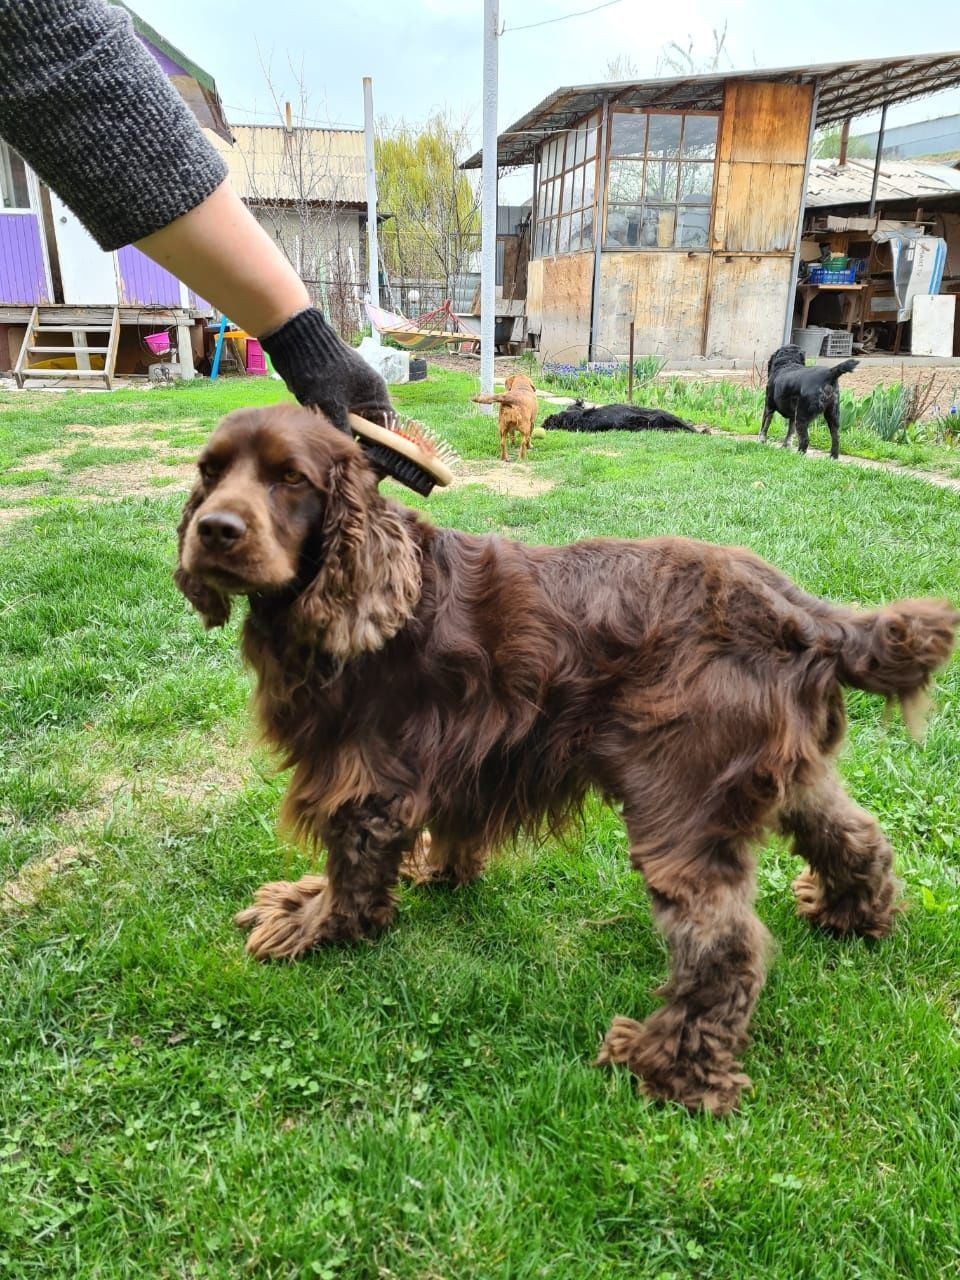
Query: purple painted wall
{"points": [[143, 283], [167, 65], [22, 277]]}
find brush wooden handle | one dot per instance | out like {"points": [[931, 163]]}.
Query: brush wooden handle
{"points": [[404, 445]]}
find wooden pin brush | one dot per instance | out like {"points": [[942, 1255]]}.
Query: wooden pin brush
{"points": [[407, 451]]}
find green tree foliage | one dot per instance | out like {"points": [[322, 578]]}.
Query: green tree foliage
{"points": [[435, 223], [826, 146]]}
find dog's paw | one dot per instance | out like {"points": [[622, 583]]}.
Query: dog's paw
{"points": [[286, 918], [416, 866], [659, 1053], [869, 916]]}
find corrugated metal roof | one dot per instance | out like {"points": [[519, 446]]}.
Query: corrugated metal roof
{"points": [[847, 90], [271, 162], [829, 184]]}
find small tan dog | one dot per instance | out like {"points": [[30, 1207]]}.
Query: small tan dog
{"points": [[518, 412]]}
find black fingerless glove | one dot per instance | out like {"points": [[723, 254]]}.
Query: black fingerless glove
{"points": [[322, 370]]}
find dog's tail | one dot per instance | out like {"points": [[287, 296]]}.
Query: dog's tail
{"points": [[895, 650], [845, 366], [506, 397]]}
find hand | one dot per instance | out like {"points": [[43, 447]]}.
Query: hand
{"points": [[322, 370]]}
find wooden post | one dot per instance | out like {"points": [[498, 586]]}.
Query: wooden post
{"points": [[844, 139], [633, 325]]}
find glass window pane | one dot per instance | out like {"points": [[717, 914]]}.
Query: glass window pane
{"points": [[581, 143], [593, 133], [563, 241], [626, 180], [578, 188], [623, 226], [628, 130], [657, 226], [566, 204], [575, 233], [696, 183], [661, 181], [589, 181], [554, 197], [700, 137], [663, 139], [693, 226], [541, 200], [14, 192], [586, 237]]}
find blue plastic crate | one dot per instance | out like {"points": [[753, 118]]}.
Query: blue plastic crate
{"points": [[820, 275]]}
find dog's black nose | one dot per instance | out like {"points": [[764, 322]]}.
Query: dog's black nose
{"points": [[220, 530]]}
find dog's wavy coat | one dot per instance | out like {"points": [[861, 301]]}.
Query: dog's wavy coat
{"points": [[416, 677]]}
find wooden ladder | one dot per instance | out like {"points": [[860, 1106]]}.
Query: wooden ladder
{"points": [[34, 345]]}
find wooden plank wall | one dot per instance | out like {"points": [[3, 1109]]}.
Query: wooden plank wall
{"points": [[664, 294], [748, 298], [760, 162], [566, 286], [535, 296], [730, 302]]}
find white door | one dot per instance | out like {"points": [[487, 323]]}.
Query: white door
{"points": [[89, 275]]}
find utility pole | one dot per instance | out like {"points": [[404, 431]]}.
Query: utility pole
{"points": [[373, 258], [488, 208]]}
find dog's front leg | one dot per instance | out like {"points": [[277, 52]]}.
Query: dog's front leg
{"points": [[365, 842], [688, 1051]]}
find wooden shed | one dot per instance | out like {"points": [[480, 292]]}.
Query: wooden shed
{"points": [[678, 204]]}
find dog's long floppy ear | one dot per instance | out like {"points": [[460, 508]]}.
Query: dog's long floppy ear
{"points": [[368, 582], [212, 605]]}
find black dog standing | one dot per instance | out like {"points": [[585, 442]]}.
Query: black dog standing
{"points": [[800, 395]]}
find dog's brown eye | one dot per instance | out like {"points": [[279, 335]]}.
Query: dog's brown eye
{"points": [[293, 477], [208, 472]]}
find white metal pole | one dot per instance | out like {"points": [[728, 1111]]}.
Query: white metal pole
{"points": [[373, 260], [488, 209]]}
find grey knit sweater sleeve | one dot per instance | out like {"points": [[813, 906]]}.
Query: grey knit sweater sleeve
{"points": [[89, 109]]}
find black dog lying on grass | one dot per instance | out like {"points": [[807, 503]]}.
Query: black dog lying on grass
{"points": [[800, 394], [617, 417]]}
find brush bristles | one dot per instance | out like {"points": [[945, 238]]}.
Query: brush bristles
{"points": [[406, 450]]}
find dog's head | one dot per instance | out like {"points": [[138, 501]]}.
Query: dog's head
{"points": [[784, 356], [566, 420], [286, 510], [519, 382]]}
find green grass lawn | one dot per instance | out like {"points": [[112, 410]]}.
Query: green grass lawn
{"points": [[425, 1107]]}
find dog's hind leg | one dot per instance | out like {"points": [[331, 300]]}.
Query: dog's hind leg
{"points": [[803, 433], [768, 412], [365, 842], [831, 413], [791, 428], [850, 886], [436, 859], [688, 1051]]}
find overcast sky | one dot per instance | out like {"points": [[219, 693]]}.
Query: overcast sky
{"points": [[425, 55]]}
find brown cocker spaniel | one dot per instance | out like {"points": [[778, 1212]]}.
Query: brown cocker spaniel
{"points": [[416, 677]]}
